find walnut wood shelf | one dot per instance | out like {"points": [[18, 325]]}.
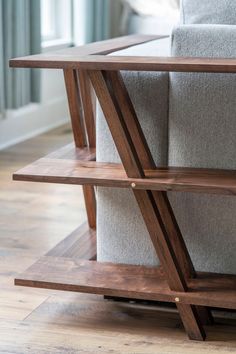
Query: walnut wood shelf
{"points": [[130, 281], [134, 63], [87, 71], [71, 165]]}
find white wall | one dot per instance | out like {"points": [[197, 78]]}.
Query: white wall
{"points": [[31, 120]]}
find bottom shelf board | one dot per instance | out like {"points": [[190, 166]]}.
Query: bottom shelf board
{"points": [[130, 281]]}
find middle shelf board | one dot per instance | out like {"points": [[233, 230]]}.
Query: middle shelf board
{"points": [[77, 167]]}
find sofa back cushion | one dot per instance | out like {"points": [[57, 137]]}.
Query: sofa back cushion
{"points": [[202, 112], [202, 133], [208, 12]]}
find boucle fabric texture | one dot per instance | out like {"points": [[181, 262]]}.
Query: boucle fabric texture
{"points": [[221, 12], [121, 233], [197, 127], [202, 133]]}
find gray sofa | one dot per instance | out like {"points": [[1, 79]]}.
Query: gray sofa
{"points": [[189, 120]]}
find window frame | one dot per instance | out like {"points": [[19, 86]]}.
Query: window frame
{"points": [[60, 14]]}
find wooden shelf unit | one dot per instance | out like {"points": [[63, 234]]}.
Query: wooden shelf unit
{"points": [[88, 71]]}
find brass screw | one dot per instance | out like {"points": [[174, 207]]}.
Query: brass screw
{"points": [[133, 185], [177, 299]]}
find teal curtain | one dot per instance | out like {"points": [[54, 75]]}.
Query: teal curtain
{"points": [[20, 35], [98, 21]]}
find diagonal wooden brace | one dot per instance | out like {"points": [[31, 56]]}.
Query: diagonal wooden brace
{"points": [[155, 207]]}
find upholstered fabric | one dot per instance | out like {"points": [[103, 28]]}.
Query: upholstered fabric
{"points": [[199, 131], [202, 133], [222, 12], [121, 233], [202, 109]]}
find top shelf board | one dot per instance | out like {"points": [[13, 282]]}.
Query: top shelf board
{"points": [[69, 57], [93, 57], [131, 63]]}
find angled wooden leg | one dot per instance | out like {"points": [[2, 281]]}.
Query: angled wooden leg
{"points": [[81, 105], [115, 80], [161, 224], [75, 107], [90, 205], [88, 100], [192, 322]]}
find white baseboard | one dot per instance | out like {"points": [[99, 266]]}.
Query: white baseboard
{"points": [[32, 120]]}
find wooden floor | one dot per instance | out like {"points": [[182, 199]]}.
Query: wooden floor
{"points": [[33, 219]]}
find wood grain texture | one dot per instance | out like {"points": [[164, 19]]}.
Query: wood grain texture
{"points": [[189, 314], [88, 100], [132, 63], [90, 205], [75, 107], [81, 100], [172, 64], [64, 58], [127, 281], [71, 170]]}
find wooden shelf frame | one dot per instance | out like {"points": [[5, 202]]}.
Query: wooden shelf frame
{"points": [[86, 71]]}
